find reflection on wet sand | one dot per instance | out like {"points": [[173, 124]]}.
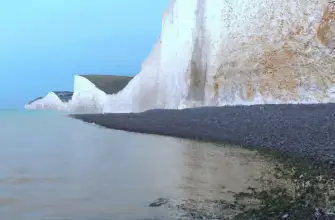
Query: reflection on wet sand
{"points": [[212, 172]]}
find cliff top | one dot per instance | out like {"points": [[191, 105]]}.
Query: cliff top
{"points": [[110, 84]]}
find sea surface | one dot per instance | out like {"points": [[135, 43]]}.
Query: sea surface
{"points": [[54, 167]]}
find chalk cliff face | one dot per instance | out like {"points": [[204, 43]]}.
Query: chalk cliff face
{"points": [[50, 101], [230, 52], [215, 52], [86, 97]]}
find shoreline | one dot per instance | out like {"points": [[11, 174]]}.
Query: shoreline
{"points": [[304, 130], [299, 139]]}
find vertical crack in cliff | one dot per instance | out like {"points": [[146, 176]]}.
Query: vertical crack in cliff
{"points": [[198, 65]]}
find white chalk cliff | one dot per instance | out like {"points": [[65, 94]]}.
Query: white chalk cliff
{"points": [[231, 52], [86, 96], [50, 101]]}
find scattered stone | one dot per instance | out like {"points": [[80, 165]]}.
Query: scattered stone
{"points": [[159, 202]]}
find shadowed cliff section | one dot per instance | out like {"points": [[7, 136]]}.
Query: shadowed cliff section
{"points": [[108, 83], [300, 130], [64, 96], [198, 65]]}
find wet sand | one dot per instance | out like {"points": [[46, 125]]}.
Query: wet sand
{"points": [[62, 168], [306, 131]]}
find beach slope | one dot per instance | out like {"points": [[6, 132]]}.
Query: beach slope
{"points": [[301, 130]]}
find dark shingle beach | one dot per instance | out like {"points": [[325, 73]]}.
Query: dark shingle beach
{"points": [[306, 131]]}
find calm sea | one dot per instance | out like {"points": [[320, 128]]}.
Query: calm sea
{"points": [[54, 167]]}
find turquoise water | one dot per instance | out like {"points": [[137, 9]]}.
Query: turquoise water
{"points": [[55, 167]]}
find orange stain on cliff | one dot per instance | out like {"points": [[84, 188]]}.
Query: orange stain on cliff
{"points": [[279, 78], [216, 86], [299, 30], [248, 94], [324, 31]]}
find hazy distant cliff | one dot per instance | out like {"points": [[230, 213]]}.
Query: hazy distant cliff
{"points": [[89, 94], [215, 52], [53, 100]]}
